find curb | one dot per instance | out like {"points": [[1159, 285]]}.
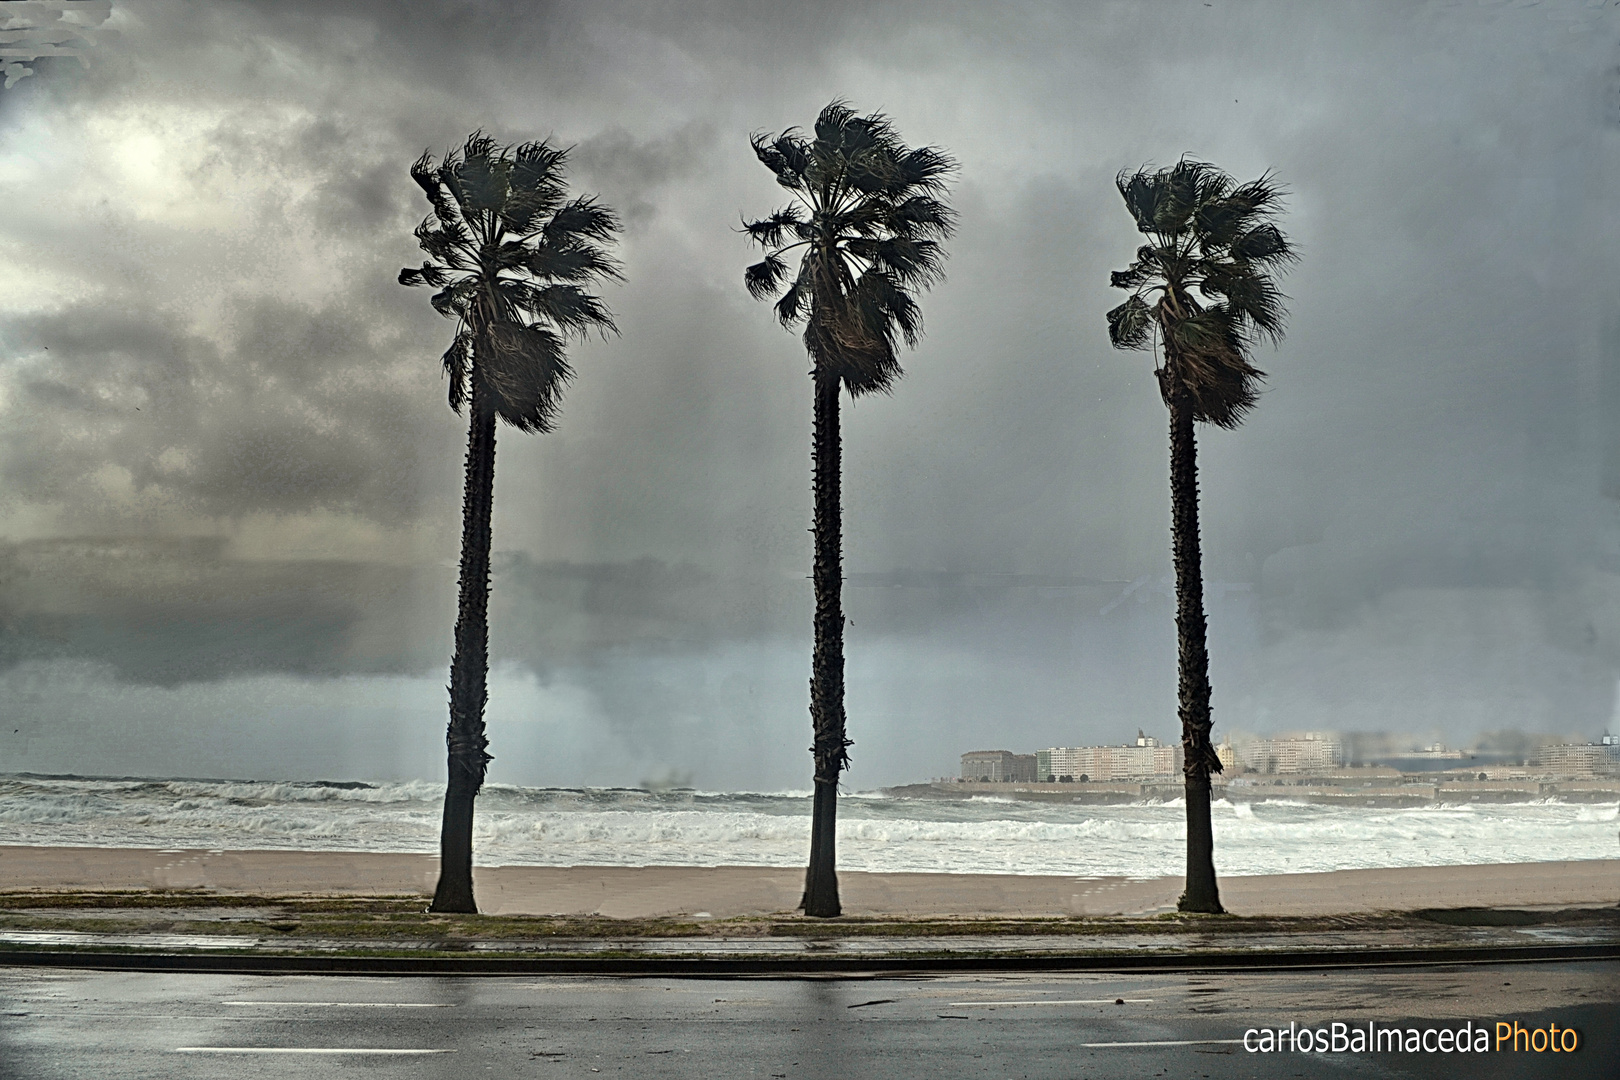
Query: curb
{"points": [[706, 967]]}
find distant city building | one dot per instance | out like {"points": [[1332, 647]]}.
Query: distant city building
{"points": [[1313, 751], [1146, 759], [1227, 756], [998, 766], [1580, 759]]}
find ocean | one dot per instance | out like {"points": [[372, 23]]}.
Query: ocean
{"points": [[626, 827]]}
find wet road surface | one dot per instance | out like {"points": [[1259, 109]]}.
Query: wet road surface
{"points": [[86, 1024]]}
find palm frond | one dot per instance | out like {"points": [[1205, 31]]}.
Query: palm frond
{"points": [[770, 231], [1149, 266], [427, 178], [426, 274], [1251, 297], [790, 307], [1141, 192], [872, 173], [1128, 324], [1206, 335], [577, 263], [1177, 198], [786, 155], [926, 169], [582, 219], [913, 263], [886, 305], [1264, 245], [1236, 212], [1263, 197], [448, 243], [830, 125], [796, 300], [840, 339], [423, 173], [1226, 399], [524, 370], [510, 254], [568, 308], [920, 216], [522, 209], [480, 179], [457, 361], [538, 169], [1218, 223], [764, 279], [450, 300], [1198, 183]]}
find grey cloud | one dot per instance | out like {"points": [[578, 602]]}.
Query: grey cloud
{"points": [[298, 411], [189, 610], [165, 613], [622, 169]]}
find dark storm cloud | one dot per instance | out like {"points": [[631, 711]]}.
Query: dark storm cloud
{"points": [[296, 412], [165, 613], [621, 170], [558, 613]]}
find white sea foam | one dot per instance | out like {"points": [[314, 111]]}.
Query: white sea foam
{"points": [[552, 826]]}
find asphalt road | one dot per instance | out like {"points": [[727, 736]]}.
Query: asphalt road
{"points": [[65, 1023]]}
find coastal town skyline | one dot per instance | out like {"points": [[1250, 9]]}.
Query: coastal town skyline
{"points": [[1499, 755]]}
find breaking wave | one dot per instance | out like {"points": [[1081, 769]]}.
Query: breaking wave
{"points": [[632, 827]]}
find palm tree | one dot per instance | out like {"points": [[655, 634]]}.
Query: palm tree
{"points": [[508, 253], [868, 219], [1210, 234]]}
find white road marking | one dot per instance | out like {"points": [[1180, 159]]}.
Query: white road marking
{"points": [[1082, 1001], [301, 1050], [351, 1004], [1168, 1042]]}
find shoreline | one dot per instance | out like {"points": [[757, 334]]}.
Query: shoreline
{"points": [[730, 891]]}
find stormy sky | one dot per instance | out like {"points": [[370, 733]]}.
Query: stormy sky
{"points": [[230, 485]]}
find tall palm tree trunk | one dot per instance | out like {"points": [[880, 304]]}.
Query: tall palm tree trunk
{"points": [[827, 662], [470, 667], [1193, 656]]}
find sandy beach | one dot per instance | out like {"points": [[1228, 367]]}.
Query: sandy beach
{"points": [[724, 891]]}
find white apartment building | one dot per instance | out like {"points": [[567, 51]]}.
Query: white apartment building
{"points": [[1312, 751], [1580, 759], [1146, 759], [998, 766]]}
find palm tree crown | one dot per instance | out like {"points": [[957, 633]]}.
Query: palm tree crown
{"points": [[1214, 235], [869, 219], [508, 254]]}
